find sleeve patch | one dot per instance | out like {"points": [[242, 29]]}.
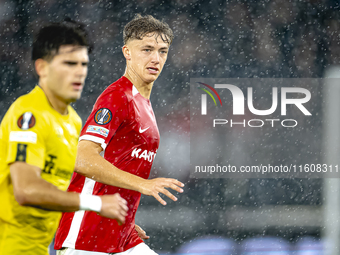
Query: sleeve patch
{"points": [[21, 152], [26, 121], [23, 136], [103, 116], [97, 130]]}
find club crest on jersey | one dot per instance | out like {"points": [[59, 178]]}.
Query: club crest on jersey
{"points": [[26, 121], [103, 116]]}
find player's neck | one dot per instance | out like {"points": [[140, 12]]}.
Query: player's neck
{"points": [[57, 104], [143, 88]]}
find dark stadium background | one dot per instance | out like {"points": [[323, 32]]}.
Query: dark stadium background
{"points": [[223, 39]]}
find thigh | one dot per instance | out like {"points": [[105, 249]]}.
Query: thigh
{"points": [[141, 248], [70, 251]]}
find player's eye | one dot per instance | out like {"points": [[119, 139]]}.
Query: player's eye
{"points": [[70, 63], [85, 64]]}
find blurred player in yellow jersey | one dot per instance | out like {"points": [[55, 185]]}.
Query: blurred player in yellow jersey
{"points": [[38, 146]]}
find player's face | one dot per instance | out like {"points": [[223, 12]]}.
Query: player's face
{"points": [[147, 57], [66, 72]]}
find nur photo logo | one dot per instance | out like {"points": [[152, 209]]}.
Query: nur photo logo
{"points": [[204, 97], [279, 98]]}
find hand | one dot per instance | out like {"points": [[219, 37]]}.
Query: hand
{"points": [[114, 207], [141, 232], [158, 185]]}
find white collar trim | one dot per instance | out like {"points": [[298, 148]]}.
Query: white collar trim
{"points": [[134, 90]]}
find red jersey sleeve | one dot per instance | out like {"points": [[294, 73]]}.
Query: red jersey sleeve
{"points": [[108, 113]]}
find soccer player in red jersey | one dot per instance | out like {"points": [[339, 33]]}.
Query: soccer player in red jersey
{"points": [[117, 147]]}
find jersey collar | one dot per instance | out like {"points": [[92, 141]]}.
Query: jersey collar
{"points": [[134, 90]]}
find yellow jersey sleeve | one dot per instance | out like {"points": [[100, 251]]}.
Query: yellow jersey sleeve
{"points": [[27, 132]]}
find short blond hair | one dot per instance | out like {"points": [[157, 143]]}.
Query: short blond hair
{"points": [[141, 26]]}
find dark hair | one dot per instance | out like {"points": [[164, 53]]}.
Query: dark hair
{"points": [[49, 38], [140, 26]]}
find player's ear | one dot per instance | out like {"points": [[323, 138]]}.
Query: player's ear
{"points": [[41, 67], [126, 52]]}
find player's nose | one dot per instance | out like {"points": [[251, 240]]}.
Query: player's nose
{"points": [[155, 57], [81, 70]]}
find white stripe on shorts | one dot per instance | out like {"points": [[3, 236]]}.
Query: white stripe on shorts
{"points": [[139, 249]]}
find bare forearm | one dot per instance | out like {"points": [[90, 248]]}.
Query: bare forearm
{"points": [[90, 164], [31, 190], [97, 168], [46, 196]]}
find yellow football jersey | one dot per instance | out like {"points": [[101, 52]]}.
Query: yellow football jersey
{"points": [[33, 132]]}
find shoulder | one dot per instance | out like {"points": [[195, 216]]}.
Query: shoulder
{"points": [[119, 92], [26, 103], [27, 113]]}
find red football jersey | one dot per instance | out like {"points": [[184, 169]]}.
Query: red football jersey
{"points": [[123, 122]]}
